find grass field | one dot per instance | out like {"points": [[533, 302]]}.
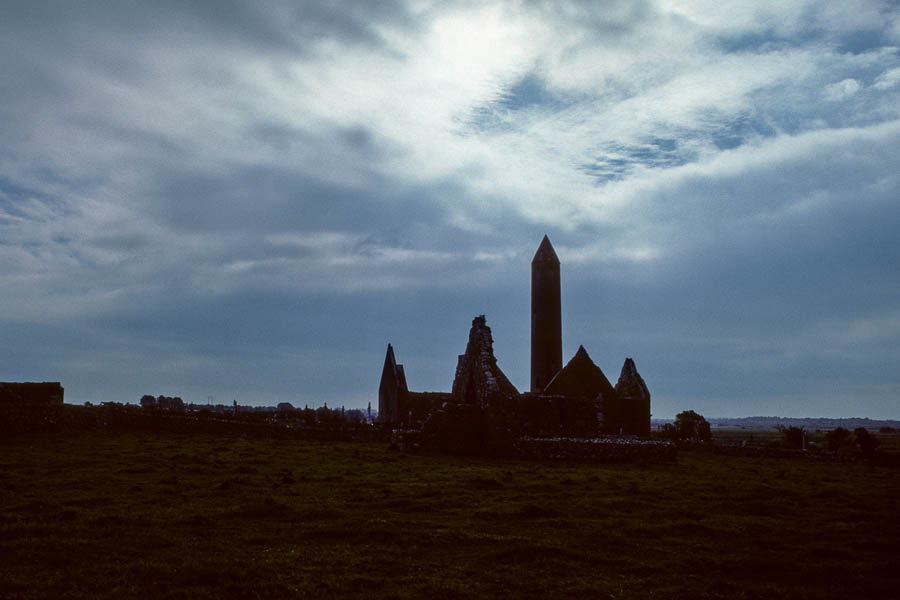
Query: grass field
{"points": [[887, 442], [167, 515]]}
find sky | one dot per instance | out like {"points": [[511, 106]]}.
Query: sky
{"points": [[249, 200]]}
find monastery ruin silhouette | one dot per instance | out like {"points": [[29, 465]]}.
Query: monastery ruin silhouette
{"points": [[485, 408]]}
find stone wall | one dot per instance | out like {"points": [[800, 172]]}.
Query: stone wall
{"points": [[419, 405], [540, 415], [633, 399], [478, 380], [18, 419], [392, 391], [591, 450], [597, 450], [46, 392]]}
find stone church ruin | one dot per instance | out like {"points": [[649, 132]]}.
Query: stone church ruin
{"points": [[484, 412]]}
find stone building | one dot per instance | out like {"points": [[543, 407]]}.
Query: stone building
{"points": [[546, 317], [575, 400], [392, 391], [34, 393], [479, 380]]}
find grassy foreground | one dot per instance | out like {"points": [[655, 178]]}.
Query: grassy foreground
{"points": [[167, 515]]}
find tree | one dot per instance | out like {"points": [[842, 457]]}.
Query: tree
{"points": [[792, 437], [837, 438], [690, 425], [866, 441]]}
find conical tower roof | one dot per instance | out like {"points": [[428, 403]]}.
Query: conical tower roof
{"points": [[545, 252]]}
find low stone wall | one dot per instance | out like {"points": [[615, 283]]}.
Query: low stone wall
{"points": [[407, 440], [30, 419], [593, 450], [25, 417], [597, 450]]}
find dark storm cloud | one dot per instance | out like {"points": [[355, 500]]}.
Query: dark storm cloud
{"points": [[281, 27], [250, 200], [776, 276]]}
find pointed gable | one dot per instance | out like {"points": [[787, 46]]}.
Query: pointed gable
{"points": [[392, 390], [401, 378], [545, 252], [580, 378], [479, 380], [631, 384], [634, 401]]}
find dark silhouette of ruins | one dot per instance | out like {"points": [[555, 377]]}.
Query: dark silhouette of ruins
{"points": [[484, 408], [48, 393], [392, 392], [546, 317]]}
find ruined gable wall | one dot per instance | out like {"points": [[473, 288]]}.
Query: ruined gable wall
{"points": [[392, 391], [478, 380], [633, 401]]}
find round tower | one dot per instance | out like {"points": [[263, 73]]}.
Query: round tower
{"points": [[546, 317]]}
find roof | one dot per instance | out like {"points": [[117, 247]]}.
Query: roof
{"points": [[545, 252], [392, 374], [580, 377]]}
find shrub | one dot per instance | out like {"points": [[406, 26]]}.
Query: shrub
{"points": [[668, 431], [866, 441], [792, 437], [689, 425], [837, 438]]}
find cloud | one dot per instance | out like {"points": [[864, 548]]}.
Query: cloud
{"points": [[888, 79], [841, 90], [188, 188]]}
